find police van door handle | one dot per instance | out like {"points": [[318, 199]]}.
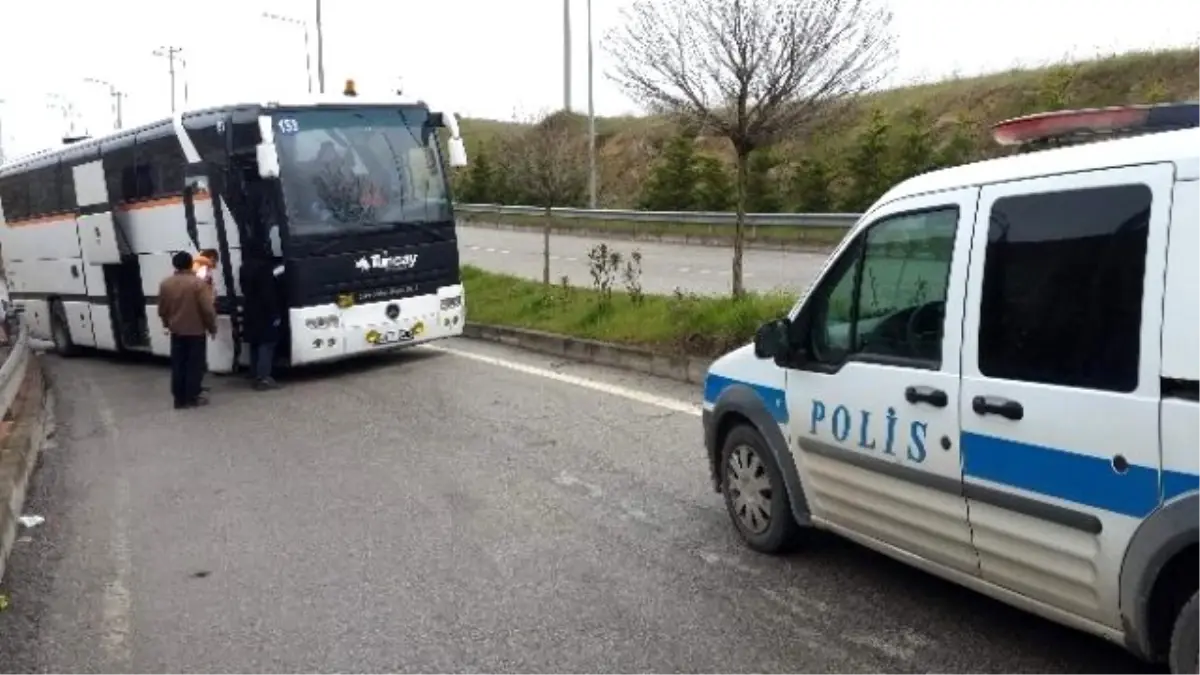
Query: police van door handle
{"points": [[934, 397], [995, 405]]}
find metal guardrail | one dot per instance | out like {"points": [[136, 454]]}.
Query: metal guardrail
{"points": [[817, 220], [12, 373]]}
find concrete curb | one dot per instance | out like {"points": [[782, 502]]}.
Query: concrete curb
{"points": [[680, 368], [684, 240], [33, 427]]}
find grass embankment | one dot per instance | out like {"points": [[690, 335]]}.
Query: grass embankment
{"points": [[682, 324], [628, 146], [817, 237]]}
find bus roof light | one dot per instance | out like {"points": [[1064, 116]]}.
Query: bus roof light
{"points": [[1093, 122], [350, 90]]}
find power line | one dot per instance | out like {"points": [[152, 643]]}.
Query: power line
{"points": [[117, 96], [307, 52]]}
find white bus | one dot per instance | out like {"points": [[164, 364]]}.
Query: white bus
{"points": [[350, 196]]}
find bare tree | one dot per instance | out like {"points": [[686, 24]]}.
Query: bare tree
{"points": [[549, 161], [752, 71]]}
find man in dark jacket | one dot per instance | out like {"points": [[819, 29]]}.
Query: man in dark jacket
{"points": [[263, 317], [185, 306]]}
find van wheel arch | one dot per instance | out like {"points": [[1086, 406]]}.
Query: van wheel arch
{"points": [[741, 407], [1174, 587]]}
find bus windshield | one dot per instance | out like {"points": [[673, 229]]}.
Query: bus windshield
{"points": [[355, 170]]}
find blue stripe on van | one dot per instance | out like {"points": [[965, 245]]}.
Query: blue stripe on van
{"points": [[1083, 479], [774, 399]]}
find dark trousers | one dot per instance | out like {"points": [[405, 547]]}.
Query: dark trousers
{"points": [[188, 363], [262, 359]]}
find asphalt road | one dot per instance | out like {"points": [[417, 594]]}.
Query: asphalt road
{"points": [[665, 267], [476, 509]]}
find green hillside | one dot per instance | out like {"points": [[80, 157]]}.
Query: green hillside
{"points": [[909, 129]]}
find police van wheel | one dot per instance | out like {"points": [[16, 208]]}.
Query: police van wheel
{"points": [[755, 495], [1185, 639], [60, 331]]}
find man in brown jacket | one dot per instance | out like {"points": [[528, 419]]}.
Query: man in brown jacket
{"points": [[185, 305]]}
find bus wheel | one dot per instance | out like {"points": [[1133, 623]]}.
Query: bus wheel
{"points": [[1185, 639], [60, 331]]}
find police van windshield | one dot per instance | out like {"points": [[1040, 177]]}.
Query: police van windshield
{"points": [[365, 170]]}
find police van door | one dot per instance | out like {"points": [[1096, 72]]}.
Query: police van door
{"points": [[1061, 380], [874, 398]]}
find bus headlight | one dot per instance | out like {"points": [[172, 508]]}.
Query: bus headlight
{"points": [[320, 322], [451, 303]]}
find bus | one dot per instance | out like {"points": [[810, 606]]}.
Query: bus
{"points": [[348, 199]]}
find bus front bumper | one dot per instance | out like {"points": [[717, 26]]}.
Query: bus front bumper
{"points": [[328, 332]]}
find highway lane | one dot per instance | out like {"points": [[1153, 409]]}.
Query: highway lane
{"points": [[470, 509], [665, 267]]}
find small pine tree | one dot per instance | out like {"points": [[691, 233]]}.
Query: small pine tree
{"points": [[714, 185], [762, 191], [672, 181], [867, 165], [915, 148], [479, 185], [810, 186], [959, 148]]}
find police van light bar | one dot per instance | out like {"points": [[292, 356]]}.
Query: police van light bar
{"points": [[1097, 121]]}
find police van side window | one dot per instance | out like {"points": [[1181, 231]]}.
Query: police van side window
{"points": [[888, 302], [1062, 287]]}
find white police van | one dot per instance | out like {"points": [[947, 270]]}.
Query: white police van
{"points": [[994, 379]]}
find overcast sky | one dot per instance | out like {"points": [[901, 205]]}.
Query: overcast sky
{"points": [[481, 58]]}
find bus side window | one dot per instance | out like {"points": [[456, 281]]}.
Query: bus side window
{"points": [[14, 197], [66, 188], [145, 179], [165, 163], [43, 191], [118, 171]]}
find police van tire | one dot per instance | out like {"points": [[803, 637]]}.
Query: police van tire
{"points": [[1185, 639], [748, 475], [60, 331]]}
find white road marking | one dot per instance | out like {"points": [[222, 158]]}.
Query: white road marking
{"points": [[504, 250], [674, 405], [116, 601]]}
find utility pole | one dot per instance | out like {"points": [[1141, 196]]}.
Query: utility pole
{"points": [[170, 54], [116, 95], [320, 51], [567, 55], [591, 117]]}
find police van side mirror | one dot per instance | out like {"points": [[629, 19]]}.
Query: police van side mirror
{"points": [[771, 339], [268, 160]]}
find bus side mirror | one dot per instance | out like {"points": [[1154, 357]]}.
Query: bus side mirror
{"points": [[268, 160], [458, 152]]}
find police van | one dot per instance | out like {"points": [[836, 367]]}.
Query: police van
{"points": [[994, 379]]}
